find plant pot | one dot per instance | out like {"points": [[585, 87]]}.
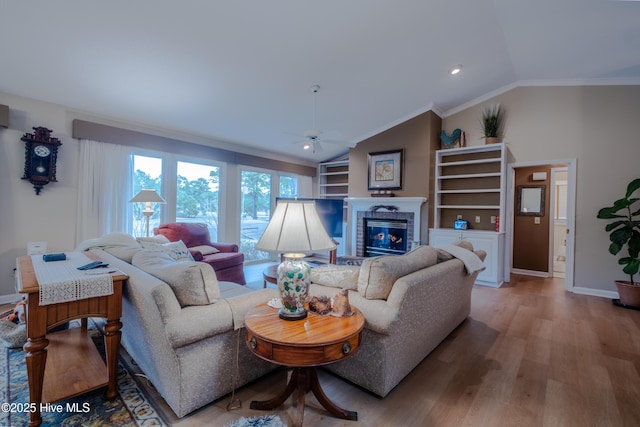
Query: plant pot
{"points": [[629, 294], [491, 140]]}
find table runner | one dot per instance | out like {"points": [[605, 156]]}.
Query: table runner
{"points": [[61, 281]]}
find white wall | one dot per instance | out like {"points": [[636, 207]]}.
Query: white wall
{"points": [[597, 125]]}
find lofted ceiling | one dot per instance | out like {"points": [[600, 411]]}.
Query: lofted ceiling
{"points": [[242, 71]]}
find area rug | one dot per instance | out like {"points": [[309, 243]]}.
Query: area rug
{"points": [[130, 409], [265, 421]]}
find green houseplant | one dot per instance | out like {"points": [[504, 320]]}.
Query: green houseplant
{"points": [[492, 123], [624, 232]]}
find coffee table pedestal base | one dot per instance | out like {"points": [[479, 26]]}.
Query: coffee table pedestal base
{"points": [[302, 381]]}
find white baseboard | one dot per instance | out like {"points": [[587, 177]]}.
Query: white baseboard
{"points": [[530, 272], [595, 292]]}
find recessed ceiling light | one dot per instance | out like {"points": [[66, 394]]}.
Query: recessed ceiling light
{"points": [[455, 69], [306, 146]]}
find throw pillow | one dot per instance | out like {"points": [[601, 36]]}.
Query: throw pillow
{"points": [[197, 255], [176, 250], [205, 249], [336, 276], [377, 275], [193, 283], [446, 256], [154, 239]]}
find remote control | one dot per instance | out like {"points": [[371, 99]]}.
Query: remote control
{"points": [[91, 265]]}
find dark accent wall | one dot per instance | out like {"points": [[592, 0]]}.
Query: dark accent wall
{"points": [[4, 116], [420, 138], [98, 132], [531, 240]]}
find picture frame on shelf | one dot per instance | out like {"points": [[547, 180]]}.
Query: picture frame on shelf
{"points": [[385, 170]]}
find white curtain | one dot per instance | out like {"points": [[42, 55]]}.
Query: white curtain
{"points": [[305, 186], [105, 175]]}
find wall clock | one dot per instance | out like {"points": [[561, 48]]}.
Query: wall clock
{"points": [[41, 154]]}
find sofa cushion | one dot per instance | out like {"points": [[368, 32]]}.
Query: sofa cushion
{"points": [[176, 250], [205, 249], [377, 275], [336, 276], [223, 260], [192, 234], [125, 253], [193, 283]]}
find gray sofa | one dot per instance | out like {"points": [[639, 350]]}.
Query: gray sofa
{"points": [[410, 302], [189, 353]]}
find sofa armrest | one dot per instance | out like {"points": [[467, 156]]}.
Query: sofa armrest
{"points": [[226, 247], [197, 322]]}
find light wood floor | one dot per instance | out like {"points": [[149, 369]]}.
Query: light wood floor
{"points": [[530, 354]]}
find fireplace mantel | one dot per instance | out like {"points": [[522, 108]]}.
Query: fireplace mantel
{"points": [[403, 204]]}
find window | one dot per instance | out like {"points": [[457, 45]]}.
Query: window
{"points": [[147, 175], [195, 192], [256, 212], [561, 200], [197, 195], [288, 186]]}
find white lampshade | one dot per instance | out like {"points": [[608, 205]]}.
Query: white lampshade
{"points": [[147, 195], [295, 227]]}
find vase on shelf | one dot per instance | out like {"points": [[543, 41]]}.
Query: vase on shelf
{"points": [[491, 140]]}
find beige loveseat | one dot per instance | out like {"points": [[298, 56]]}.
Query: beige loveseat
{"points": [[410, 302], [189, 339]]}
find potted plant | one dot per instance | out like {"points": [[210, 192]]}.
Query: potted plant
{"points": [[624, 231], [492, 123]]}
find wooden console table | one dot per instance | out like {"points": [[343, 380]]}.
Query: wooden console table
{"points": [[75, 366], [303, 345]]}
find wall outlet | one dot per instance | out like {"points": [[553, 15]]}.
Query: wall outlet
{"points": [[459, 217], [477, 219]]}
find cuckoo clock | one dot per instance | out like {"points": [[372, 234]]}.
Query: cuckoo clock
{"points": [[41, 153]]}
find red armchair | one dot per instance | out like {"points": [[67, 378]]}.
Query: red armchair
{"points": [[228, 263]]}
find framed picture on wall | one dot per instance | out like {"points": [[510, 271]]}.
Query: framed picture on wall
{"points": [[385, 170]]}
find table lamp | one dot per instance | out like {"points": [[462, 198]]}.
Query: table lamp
{"points": [[294, 230], [147, 196]]}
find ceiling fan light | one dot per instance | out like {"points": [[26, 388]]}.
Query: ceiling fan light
{"points": [[455, 69]]}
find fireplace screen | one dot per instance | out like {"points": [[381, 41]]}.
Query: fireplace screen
{"points": [[384, 237]]}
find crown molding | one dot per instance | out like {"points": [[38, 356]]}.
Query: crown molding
{"points": [[540, 83]]}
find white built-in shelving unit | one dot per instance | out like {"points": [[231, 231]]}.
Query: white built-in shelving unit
{"points": [[470, 183], [333, 179]]}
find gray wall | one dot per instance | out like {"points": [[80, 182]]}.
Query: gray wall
{"points": [[51, 216]]}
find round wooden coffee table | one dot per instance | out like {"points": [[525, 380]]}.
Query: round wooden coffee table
{"points": [[303, 345]]}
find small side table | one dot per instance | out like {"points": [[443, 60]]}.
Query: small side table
{"points": [[76, 366], [303, 345], [270, 274]]}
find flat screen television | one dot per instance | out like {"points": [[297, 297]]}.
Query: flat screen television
{"points": [[331, 213]]}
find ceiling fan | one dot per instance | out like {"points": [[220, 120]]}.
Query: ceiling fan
{"points": [[313, 137]]}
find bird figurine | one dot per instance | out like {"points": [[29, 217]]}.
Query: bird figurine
{"points": [[449, 141]]}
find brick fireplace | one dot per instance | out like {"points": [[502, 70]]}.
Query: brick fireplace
{"points": [[381, 222]]}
